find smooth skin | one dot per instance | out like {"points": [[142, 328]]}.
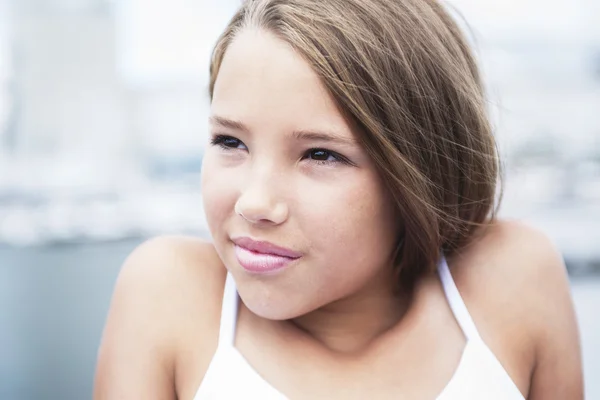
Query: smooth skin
{"points": [[284, 166]]}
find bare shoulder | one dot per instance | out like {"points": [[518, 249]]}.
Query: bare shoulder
{"points": [[508, 254], [514, 282], [165, 308], [174, 264], [515, 266]]}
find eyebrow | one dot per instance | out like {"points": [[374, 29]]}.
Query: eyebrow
{"points": [[229, 123], [301, 135], [304, 135]]}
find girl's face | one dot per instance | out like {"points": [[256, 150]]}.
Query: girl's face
{"points": [[297, 211]]}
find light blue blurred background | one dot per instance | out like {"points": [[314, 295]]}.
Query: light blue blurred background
{"points": [[103, 111]]}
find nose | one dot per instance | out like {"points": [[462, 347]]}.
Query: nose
{"points": [[259, 202]]}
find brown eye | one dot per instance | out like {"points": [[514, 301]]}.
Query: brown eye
{"points": [[228, 142], [231, 142], [319, 155], [323, 156]]}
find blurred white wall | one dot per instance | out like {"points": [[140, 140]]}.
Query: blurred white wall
{"points": [[521, 22], [119, 78], [70, 97], [5, 69], [163, 53], [162, 43]]}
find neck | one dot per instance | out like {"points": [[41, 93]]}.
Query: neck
{"points": [[350, 325]]}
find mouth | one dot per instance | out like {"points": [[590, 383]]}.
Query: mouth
{"points": [[261, 257]]}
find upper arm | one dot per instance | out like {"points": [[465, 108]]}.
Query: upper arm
{"points": [[516, 287], [147, 320], [557, 372]]}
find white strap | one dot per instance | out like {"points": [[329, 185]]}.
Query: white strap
{"points": [[229, 311], [459, 309]]}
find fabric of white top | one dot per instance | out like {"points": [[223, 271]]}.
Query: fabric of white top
{"points": [[456, 302], [479, 374]]}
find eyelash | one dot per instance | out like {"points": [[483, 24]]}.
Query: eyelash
{"points": [[220, 140]]}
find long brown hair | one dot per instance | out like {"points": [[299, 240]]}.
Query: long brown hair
{"points": [[404, 75]]}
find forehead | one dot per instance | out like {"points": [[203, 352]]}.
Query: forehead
{"points": [[263, 80]]}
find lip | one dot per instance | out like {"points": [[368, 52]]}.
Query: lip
{"points": [[263, 257], [263, 247]]}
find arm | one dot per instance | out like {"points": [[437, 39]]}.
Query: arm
{"points": [[557, 373], [163, 323], [136, 355], [516, 284]]}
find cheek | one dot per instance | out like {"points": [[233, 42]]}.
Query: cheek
{"points": [[353, 220], [218, 193]]}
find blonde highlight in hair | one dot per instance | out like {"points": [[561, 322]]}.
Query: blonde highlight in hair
{"points": [[403, 74]]}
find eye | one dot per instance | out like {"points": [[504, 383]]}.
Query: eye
{"points": [[324, 156], [228, 142]]}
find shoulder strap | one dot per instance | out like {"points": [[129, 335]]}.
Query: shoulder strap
{"points": [[229, 311], [459, 309]]}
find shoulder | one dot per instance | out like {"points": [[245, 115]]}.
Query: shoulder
{"points": [[513, 264], [172, 274], [167, 262], [165, 306], [514, 282], [509, 254]]}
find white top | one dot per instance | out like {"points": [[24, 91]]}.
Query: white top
{"points": [[479, 374]]}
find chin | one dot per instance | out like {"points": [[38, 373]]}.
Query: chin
{"points": [[271, 305]]}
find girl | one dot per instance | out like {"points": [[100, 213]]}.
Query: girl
{"points": [[349, 188]]}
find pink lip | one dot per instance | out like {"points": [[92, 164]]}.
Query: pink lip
{"points": [[262, 257], [265, 248]]}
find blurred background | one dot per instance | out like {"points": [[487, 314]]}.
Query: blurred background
{"points": [[103, 118]]}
